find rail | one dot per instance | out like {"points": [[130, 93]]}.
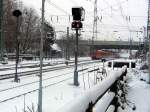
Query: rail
{"points": [[31, 72], [35, 90]]}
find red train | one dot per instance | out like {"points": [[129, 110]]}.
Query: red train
{"points": [[101, 54]]}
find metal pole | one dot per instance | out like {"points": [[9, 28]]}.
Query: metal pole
{"points": [[149, 58], [148, 37], [67, 49], [145, 43], [17, 50], [94, 28], [1, 29], [130, 46], [76, 83], [41, 60]]}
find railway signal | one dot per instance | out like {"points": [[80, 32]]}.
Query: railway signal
{"points": [[76, 24], [78, 14], [17, 14]]}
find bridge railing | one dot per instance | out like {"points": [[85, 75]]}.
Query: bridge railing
{"points": [[87, 100]]}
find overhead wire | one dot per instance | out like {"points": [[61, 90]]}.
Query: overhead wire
{"points": [[107, 13], [62, 10], [104, 10], [110, 6], [54, 5], [57, 7], [122, 13]]}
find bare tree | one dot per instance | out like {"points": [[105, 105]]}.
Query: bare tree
{"points": [[29, 28], [49, 38], [29, 25], [9, 26], [69, 43]]}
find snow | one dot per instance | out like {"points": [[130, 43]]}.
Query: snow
{"points": [[92, 94], [60, 95], [104, 102], [27, 63], [57, 91], [138, 92], [55, 47], [111, 108]]}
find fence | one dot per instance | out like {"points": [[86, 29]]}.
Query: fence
{"points": [[86, 102]]}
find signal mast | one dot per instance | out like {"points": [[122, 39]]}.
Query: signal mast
{"points": [[78, 14]]}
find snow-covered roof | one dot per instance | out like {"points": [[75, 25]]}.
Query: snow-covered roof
{"points": [[55, 47], [124, 60]]}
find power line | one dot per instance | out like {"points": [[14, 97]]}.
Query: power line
{"points": [[57, 7], [110, 6], [122, 13], [113, 5]]}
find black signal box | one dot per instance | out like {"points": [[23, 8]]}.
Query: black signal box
{"points": [[76, 13]]}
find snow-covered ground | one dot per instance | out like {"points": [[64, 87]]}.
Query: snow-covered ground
{"points": [[58, 90], [44, 61], [24, 65], [138, 93]]}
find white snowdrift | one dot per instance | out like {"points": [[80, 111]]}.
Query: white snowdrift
{"points": [[111, 108], [81, 103], [104, 102]]}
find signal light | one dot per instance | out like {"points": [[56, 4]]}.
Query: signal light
{"points": [[78, 13], [17, 13], [76, 24]]}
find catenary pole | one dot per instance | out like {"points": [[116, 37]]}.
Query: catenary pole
{"points": [[41, 60], [17, 50], [94, 36], [148, 36], [68, 50], [76, 83], [67, 45], [1, 29]]}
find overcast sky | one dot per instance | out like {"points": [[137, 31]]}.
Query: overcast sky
{"points": [[114, 14]]}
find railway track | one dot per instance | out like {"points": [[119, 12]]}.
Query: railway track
{"points": [[35, 65], [30, 65], [31, 72], [47, 82]]}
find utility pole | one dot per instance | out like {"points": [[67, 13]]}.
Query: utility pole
{"points": [[78, 16], [1, 30], [94, 27], [17, 14], [41, 59], [130, 39], [68, 43], [145, 43], [148, 36], [17, 50], [67, 46], [76, 60]]}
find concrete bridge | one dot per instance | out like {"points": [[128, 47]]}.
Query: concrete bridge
{"points": [[111, 44]]}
